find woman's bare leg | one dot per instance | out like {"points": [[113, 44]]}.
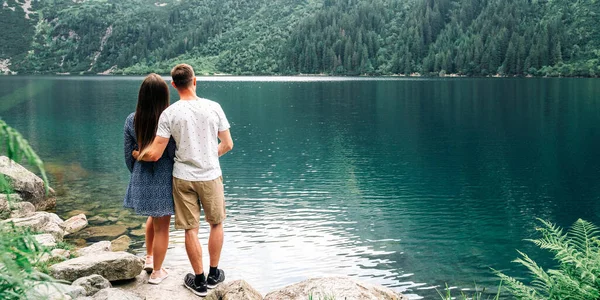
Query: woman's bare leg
{"points": [[161, 241], [149, 237]]}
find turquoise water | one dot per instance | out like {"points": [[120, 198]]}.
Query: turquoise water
{"points": [[410, 183]]}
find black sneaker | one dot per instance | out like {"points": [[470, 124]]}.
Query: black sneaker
{"points": [[190, 284], [213, 281]]}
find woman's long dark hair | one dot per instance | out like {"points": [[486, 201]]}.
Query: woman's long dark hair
{"points": [[153, 99]]}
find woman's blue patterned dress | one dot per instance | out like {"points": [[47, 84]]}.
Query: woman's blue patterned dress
{"points": [[150, 189]]}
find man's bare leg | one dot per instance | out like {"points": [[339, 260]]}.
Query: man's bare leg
{"points": [[215, 244], [194, 250]]}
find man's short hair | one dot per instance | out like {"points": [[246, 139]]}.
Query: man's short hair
{"points": [[183, 75]]}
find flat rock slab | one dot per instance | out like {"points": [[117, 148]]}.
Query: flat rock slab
{"points": [[334, 288], [114, 294], [110, 265], [96, 248], [172, 288]]}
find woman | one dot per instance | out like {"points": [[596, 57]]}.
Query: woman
{"points": [[150, 191]]}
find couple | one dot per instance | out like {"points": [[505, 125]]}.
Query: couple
{"points": [[173, 155]]}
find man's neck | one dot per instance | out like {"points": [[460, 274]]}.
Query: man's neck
{"points": [[187, 95]]}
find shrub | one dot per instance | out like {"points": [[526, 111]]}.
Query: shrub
{"points": [[577, 276]]}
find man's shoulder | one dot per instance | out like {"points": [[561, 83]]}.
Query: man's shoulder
{"points": [[172, 108], [212, 104]]}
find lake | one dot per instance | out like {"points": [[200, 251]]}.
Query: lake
{"points": [[409, 183]]}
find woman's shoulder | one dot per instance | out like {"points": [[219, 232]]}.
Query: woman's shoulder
{"points": [[129, 120]]}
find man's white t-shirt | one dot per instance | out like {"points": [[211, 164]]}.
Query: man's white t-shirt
{"points": [[195, 125]]}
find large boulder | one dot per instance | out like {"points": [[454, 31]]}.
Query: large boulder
{"points": [[112, 294], [96, 248], [335, 288], [235, 290], [75, 223], [28, 185], [111, 265], [92, 284]]}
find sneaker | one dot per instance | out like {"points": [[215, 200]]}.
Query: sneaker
{"points": [[213, 281], [190, 284], [159, 278], [149, 264]]}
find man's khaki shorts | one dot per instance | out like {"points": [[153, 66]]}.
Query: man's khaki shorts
{"points": [[190, 195]]}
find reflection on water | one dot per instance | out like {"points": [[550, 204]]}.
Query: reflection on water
{"points": [[406, 183]]}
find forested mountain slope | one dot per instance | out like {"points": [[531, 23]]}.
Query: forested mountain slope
{"points": [[346, 37]]}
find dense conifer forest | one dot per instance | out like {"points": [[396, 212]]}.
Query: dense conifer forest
{"points": [[336, 37]]}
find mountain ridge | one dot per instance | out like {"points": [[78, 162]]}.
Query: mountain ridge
{"points": [[283, 37]]}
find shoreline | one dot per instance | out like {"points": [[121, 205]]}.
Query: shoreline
{"points": [[324, 77], [108, 267]]}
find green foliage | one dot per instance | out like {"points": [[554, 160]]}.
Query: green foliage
{"points": [[253, 37], [578, 274], [17, 148], [477, 295], [16, 33], [19, 254]]}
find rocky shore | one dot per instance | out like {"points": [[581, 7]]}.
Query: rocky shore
{"points": [[104, 270]]}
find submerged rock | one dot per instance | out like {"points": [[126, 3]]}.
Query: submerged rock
{"points": [[335, 288], [111, 265], [121, 243], [235, 290], [92, 284], [28, 185], [139, 232], [110, 231], [96, 248], [98, 219], [76, 223]]}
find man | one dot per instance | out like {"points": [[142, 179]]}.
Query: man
{"points": [[195, 124]]}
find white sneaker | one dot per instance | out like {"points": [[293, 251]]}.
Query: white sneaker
{"points": [[160, 279], [149, 265]]}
